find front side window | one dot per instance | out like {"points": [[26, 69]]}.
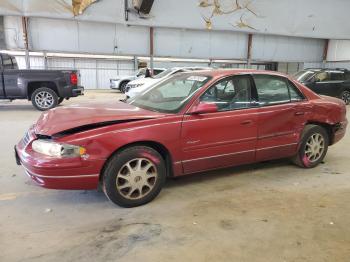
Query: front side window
{"points": [[271, 89], [230, 93], [170, 95], [6, 62]]}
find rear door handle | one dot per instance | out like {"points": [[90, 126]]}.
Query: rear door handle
{"points": [[300, 113], [246, 122]]}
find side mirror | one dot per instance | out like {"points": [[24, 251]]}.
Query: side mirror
{"points": [[204, 108]]}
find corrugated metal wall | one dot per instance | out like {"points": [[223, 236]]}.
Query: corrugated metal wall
{"points": [[94, 73], [287, 49], [118, 39]]}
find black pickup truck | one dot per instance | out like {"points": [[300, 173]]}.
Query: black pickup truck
{"points": [[45, 88]]}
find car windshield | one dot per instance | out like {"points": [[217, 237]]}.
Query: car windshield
{"points": [[164, 73], [170, 95], [303, 75]]}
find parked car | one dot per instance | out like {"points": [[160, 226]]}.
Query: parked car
{"points": [[45, 88], [331, 82], [121, 82], [139, 85], [192, 122]]}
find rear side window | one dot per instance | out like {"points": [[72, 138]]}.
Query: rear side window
{"points": [[347, 76], [337, 76], [273, 90], [156, 72]]}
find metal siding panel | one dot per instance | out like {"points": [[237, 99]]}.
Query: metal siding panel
{"points": [[171, 42], [286, 49], [88, 78], [96, 37], [60, 63], [53, 35], [228, 45], [132, 40], [338, 50]]}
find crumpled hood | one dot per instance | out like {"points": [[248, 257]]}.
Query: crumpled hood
{"points": [[69, 117]]}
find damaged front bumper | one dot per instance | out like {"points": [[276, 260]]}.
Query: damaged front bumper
{"points": [[57, 173]]}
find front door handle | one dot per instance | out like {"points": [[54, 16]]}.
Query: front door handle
{"points": [[246, 122], [299, 113]]}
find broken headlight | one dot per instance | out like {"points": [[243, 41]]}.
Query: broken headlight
{"points": [[54, 149]]}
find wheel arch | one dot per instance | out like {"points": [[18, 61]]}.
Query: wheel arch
{"points": [[123, 81], [32, 86], [328, 127], [160, 148]]}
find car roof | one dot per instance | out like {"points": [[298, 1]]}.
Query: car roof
{"points": [[326, 69], [217, 73]]}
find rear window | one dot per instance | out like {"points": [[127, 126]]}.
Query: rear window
{"points": [[8, 62]]}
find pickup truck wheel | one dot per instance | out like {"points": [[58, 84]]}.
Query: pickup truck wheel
{"points": [[134, 176], [313, 147], [44, 98], [60, 100]]}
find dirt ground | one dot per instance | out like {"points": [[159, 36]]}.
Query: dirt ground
{"points": [[269, 212]]}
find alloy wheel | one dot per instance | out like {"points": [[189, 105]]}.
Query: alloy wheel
{"points": [[346, 97], [314, 147], [44, 99], [136, 178]]}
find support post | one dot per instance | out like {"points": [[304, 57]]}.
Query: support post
{"points": [[46, 66], [136, 64], [151, 48], [325, 52], [25, 38], [249, 50]]}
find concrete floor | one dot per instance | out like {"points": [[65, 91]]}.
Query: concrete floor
{"points": [[265, 212]]}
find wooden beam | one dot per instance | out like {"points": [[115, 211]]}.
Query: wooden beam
{"points": [[325, 51], [249, 49], [151, 47], [25, 39]]}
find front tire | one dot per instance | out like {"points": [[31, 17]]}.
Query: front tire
{"points": [[44, 98], [313, 147], [134, 176], [123, 86]]}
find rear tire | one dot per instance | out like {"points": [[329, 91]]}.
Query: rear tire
{"points": [[313, 147], [345, 96], [134, 176], [44, 98]]}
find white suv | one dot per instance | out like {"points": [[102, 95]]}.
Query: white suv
{"points": [[139, 85], [121, 82]]}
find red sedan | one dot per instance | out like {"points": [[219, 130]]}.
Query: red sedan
{"points": [[191, 122]]}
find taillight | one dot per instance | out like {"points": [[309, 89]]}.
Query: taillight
{"points": [[73, 79]]}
